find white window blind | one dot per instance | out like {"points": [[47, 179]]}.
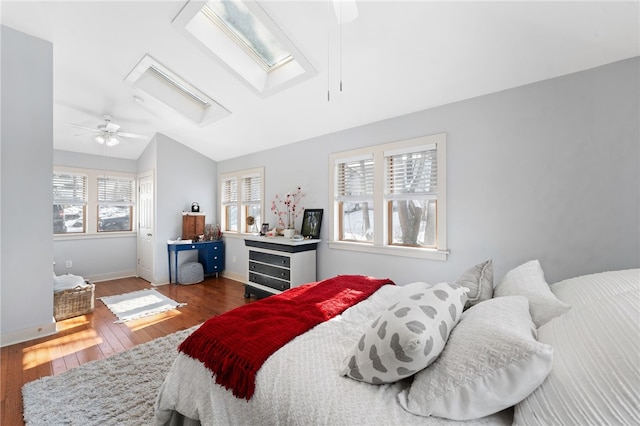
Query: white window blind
{"points": [[229, 191], [69, 188], [116, 190], [251, 190], [354, 180], [412, 175]]}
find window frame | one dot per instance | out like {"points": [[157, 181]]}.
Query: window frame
{"points": [[90, 220], [382, 243], [242, 205]]}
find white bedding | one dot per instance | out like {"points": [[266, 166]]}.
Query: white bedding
{"points": [[299, 384], [595, 379]]}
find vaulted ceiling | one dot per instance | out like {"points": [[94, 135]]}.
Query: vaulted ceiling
{"points": [[397, 57]]}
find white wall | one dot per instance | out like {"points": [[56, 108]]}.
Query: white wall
{"points": [[546, 171], [26, 147]]}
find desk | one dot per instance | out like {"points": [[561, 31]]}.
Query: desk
{"points": [[210, 254]]}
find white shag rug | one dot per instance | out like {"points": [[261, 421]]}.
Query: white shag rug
{"points": [[138, 304], [119, 390]]}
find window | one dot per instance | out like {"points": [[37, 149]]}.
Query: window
{"points": [[354, 197], [391, 198], [243, 38], [247, 31], [115, 203], [411, 196], [242, 198], [252, 200], [69, 202], [230, 204], [87, 201]]}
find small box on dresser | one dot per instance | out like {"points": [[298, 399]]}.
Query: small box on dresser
{"points": [[277, 264]]}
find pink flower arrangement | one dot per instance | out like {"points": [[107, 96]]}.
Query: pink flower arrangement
{"points": [[287, 207]]}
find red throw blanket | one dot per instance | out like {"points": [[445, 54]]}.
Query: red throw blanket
{"points": [[234, 345]]}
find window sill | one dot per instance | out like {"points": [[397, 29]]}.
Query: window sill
{"points": [[86, 236], [238, 235], [417, 253]]}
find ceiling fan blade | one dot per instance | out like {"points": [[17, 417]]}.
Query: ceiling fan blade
{"points": [[131, 135], [86, 128], [112, 127], [84, 134]]}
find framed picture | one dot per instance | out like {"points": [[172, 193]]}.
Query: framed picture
{"points": [[311, 223]]}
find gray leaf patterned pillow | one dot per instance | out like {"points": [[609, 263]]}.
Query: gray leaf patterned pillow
{"points": [[479, 280], [409, 335]]}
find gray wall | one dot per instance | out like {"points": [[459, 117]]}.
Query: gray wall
{"points": [[26, 152], [182, 176], [93, 257], [547, 171]]}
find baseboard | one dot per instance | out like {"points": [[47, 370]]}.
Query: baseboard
{"points": [[235, 277], [111, 276], [28, 334]]}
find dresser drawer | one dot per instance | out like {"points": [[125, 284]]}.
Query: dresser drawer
{"points": [[272, 271], [268, 281], [272, 259]]}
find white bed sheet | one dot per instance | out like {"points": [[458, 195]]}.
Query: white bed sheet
{"points": [[300, 384], [595, 379]]}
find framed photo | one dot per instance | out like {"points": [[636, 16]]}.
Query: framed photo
{"points": [[311, 223]]}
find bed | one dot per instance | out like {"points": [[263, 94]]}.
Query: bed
{"points": [[519, 352]]}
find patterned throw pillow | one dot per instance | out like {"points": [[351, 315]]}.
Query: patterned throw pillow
{"points": [[528, 280], [479, 281], [409, 335], [491, 362]]}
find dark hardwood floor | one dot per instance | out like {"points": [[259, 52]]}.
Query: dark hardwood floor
{"points": [[95, 336]]}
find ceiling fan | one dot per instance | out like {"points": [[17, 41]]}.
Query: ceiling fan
{"points": [[108, 133]]}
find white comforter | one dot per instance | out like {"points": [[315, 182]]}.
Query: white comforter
{"points": [[595, 378], [298, 385]]}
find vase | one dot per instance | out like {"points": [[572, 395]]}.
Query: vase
{"points": [[289, 232]]}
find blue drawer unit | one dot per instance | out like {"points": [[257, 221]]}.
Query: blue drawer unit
{"points": [[210, 255]]}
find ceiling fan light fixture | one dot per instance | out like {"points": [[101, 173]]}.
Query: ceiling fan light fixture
{"points": [[112, 141], [100, 139]]}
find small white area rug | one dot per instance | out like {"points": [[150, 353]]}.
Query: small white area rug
{"points": [[138, 304], [120, 390]]}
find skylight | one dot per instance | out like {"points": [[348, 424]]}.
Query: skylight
{"points": [[245, 28], [156, 80], [243, 38]]}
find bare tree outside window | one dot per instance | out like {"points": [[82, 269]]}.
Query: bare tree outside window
{"points": [[411, 194]]}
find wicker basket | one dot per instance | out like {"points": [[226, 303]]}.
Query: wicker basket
{"points": [[73, 302]]}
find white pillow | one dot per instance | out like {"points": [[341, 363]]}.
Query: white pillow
{"points": [[408, 335], [479, 281], [491, 362], [528, 280]]}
